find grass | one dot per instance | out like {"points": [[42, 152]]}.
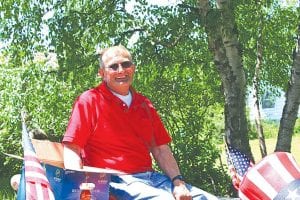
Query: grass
{"points": [[7, 196], [271, 143]]}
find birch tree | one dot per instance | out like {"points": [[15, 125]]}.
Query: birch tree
{"points": [[223, 43], [256, 81], [291, 107]]}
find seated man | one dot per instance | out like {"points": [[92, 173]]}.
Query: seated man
{"points": [[113, 126]]}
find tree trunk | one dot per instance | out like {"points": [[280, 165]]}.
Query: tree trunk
{"points": [[223, 43], [291, 107], [256, 89]]}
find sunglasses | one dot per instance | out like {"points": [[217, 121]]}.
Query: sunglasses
{"points": [[125, 65]]}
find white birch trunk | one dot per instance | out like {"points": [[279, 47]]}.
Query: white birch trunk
{"points": [[291, 107], [224, 45]]}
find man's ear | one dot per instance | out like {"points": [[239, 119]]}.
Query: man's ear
{"points": [[101, 72]]}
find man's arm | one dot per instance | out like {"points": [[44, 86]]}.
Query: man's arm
{"points": [[166, 161], [72, 159]]}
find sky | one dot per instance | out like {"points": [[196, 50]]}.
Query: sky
{"points": [[130, 4], [163, 2]]}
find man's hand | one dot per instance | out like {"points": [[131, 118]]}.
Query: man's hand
{"points": [[180, 191]]}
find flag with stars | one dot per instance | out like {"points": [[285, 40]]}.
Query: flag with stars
{"points": [[34, 184], [238, 164]]}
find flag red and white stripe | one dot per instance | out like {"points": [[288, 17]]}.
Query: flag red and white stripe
{"points": [[34, 184], [37, 184], [267, 178]]}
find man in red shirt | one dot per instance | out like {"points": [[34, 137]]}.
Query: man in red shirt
{"points": [[113, 126]]}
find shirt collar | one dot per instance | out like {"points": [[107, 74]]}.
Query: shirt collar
{"points": [[107, 92]]}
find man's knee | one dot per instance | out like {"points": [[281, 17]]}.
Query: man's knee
{"points": [[138, 190]]}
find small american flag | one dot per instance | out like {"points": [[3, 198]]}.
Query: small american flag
{"points": [[238, 164], [34, 184]]}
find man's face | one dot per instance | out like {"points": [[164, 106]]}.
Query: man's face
{"points": [[118, 71]]}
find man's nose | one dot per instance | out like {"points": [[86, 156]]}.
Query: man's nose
{"points": [[120, 68]]}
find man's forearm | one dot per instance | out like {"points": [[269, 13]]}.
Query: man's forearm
{"points": [[166, 160], [72, 159]]}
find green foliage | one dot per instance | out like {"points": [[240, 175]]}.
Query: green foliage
{"points": [[36, 89], [297, 127], [7, 195], [6, 191], [270, 129], [278, 32]]}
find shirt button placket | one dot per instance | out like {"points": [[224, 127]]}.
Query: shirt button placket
{"points": [[125, 107]]}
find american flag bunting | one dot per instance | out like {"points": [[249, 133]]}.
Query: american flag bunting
{"points": [[238, 164], [34, 184], [276, 177]]}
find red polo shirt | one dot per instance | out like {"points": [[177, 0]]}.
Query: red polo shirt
{"points": [[113, 135]]}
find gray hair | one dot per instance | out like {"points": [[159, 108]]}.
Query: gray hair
{"points": [[119, 49]]}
